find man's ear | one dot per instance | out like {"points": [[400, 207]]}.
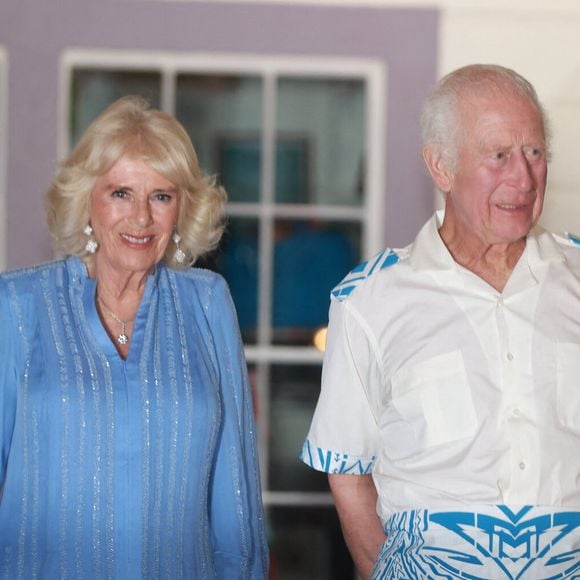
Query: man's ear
{"points": [[438, 167]]}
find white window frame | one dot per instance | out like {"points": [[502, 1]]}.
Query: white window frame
{"points": [[370, 216], [3, 153]]}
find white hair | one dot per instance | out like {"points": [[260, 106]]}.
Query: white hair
{"points": [[441, 122]]}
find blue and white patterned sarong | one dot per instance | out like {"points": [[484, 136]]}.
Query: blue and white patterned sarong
{"points": [[490, 543]]}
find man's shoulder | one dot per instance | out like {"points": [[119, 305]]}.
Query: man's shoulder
{"points": [[567, 239], [359, 277], [556, 247]]}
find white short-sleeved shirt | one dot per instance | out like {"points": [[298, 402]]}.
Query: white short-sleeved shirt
{"points": [[451, 393]]}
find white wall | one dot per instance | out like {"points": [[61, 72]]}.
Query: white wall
{"points": [[542, 42]]}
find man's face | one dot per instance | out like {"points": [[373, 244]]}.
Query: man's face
{"points": [[497, 191]]}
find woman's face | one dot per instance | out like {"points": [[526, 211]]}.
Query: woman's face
{"points": [[133, 211]]}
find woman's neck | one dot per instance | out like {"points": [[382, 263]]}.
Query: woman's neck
{"points": [[118, 296]]}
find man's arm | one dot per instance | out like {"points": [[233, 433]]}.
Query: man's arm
{"points": [[355, 497]]}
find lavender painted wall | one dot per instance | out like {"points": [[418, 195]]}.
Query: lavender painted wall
{"points": [[35, 33]]}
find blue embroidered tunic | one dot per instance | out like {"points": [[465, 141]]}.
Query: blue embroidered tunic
{"points": [[136, 468]]}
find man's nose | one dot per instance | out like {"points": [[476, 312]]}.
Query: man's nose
{"points": [[522, 173]]}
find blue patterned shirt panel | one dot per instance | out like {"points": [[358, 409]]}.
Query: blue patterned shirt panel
{"points": [[573, 239], [333, 462], [498, 542], [363, 272]]}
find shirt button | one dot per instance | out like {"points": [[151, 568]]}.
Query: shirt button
{"points": [[522, 465], [510, 356]]}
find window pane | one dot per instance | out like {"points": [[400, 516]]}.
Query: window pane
{"points": [[254, 391], [306, 543], [94, 90], [310, 258], [223, 117], [237, 260], [321, 136], [294, 391]]}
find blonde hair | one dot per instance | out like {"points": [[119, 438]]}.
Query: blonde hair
{"points": [[131, 127]]}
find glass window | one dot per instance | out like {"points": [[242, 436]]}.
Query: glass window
{"points": [[310, 258], [321, 137], [238, 261], [93, 90], [306, 543], [223, 116]]}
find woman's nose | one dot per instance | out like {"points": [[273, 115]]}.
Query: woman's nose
{"points": [[142, 213]]}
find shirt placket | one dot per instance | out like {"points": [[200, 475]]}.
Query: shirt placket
{"points": [[518, 416]]}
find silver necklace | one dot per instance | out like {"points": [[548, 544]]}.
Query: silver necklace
{"points": [[122, 337]]}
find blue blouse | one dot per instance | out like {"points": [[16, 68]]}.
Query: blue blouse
{"points": [[138, 468]]}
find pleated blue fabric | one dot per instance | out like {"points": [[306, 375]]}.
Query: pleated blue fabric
{"points": [[144, 467]]}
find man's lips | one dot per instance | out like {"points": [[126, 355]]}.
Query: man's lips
{"points": [[512, 206]]}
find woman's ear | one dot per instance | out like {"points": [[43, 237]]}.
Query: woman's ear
{"points": [[438, 167]]}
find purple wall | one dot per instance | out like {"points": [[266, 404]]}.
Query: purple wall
{"points": [[35, 33]]}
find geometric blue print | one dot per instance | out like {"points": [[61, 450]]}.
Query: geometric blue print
{"points": [[333, 462], [497, 542], [363, 271], [575, 240]]}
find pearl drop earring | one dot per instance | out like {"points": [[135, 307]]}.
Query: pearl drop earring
{"points": [[92, 244], [179, 253]]}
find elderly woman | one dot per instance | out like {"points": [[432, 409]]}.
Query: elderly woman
{"points": [[126, 430]]}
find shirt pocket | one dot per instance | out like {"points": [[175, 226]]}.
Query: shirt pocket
{"points": [[568, 384], [434, 399]]}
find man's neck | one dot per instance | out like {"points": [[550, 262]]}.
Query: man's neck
{"points": [[493, 263]]}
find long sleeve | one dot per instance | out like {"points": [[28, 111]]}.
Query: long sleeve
{"points": [[8, 397], [236, 514]]}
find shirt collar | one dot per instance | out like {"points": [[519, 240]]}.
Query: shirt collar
{"points": [[430, 253], [542, 248]]}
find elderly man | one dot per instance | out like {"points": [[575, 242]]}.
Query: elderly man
{"points": [[449, 416]]}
